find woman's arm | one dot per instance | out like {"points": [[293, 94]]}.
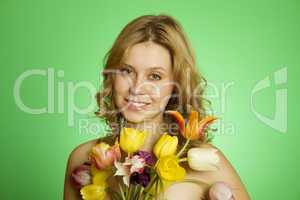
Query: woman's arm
{"points": [[69, 191]]}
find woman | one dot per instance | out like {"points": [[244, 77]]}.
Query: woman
{"points": [[150, 69]]}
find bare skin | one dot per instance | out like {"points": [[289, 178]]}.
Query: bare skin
{"points": [[146, 79], [179, 191]]}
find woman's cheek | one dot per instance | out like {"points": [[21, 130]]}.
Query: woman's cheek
{"points": [[121, 85], [164, 96]]}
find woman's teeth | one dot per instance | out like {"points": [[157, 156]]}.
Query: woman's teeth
{"points": [[137, 104]]}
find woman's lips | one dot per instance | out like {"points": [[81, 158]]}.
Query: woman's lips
{"points": [[136, 105]]}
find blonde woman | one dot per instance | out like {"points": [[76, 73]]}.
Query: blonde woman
{"points": [[149, 69]]}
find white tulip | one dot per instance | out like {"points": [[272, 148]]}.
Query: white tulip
{"points": [[203, 159]]}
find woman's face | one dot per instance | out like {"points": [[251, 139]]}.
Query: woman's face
{"points": [[144, 83]]}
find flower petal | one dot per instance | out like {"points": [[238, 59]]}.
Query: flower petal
{"points": [[192, 126], [205, 122], [179, 118], [93, 192], [203, 159]]}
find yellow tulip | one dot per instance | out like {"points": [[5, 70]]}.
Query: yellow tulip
{"points": [[100, 176], [99, 179], [93, 192], [168, 169], [131, 140], [166, 145], [106, 173]]}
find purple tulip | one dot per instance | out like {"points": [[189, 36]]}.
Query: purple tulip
{"points": [[141, 178], [149, 159]]}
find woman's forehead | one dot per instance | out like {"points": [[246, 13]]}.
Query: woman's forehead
{"points": [[148, 55]]}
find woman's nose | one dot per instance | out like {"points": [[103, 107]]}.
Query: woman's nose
{"points": [[140, 85], [137, 86]]}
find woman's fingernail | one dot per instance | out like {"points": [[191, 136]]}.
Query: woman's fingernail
{"points": [[220, 191]]}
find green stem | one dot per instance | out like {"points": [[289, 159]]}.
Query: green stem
{"points": [[156, 188], [128, 195], [148, 188], [151, 183], [183, 148], [141, 192], [122, 192]]}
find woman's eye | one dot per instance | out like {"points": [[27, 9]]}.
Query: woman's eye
{"points": [[155, 77], [125, 70]]}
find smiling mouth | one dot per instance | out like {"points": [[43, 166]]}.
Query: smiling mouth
{"points": [[136, 104]]}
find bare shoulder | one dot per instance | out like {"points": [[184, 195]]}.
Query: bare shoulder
{"points": [[225, 173], [78, 156]]}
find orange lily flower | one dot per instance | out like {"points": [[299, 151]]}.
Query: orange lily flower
{"points": [[194, 129]]}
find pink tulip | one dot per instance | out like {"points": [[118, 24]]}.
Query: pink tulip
{"points": [[81, 176], [104, 156]]}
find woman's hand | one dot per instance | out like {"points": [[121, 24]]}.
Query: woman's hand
{"points": [[220, 191]]}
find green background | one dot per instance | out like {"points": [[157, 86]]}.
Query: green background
{"points": [[235, 41]]}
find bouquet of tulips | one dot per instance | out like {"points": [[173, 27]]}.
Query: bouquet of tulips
{"points": [[141, 174]]}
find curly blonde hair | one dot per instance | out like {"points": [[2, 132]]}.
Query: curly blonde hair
{"points": [[167, 32]]}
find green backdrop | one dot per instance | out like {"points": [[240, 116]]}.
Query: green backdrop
{"points": [[238, 44]]}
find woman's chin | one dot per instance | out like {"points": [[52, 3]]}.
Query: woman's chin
{"points": [[134, 117], [137, 116]]}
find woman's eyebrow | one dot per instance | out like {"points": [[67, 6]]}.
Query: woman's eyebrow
{"points": [[127, 65], [152, 68], [159, 68]]}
